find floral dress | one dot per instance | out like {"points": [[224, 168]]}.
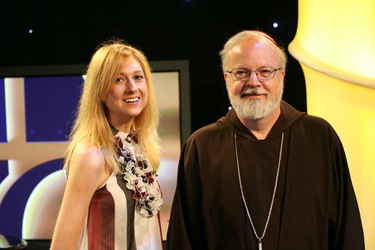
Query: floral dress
{"points": [[124, 211]]}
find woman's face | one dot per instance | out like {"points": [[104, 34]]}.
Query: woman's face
{"points": [[128, 95]]}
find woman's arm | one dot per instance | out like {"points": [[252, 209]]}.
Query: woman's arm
{"points": [[86, 173]]}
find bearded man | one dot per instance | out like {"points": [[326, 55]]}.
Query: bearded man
{"points": [[265, 176]]}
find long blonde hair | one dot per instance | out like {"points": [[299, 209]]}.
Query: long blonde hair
{"points": [[91, 125]]}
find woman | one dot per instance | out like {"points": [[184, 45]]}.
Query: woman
{"points": [[112, 198]]}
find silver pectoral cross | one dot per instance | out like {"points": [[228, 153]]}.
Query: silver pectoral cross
{"points": [[260, 245]]}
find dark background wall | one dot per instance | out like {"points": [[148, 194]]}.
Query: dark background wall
{"points": [[45, 32]]}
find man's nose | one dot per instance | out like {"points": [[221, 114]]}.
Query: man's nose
{"points": [[253, 79]]}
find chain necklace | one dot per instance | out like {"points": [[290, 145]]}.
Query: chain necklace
{"points": [[273, 195]]}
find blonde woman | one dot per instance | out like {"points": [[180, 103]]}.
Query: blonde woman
{"points": [[112, 197]]}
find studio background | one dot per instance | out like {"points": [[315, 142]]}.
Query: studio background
{"points": [[67, 32], [37, 33]]}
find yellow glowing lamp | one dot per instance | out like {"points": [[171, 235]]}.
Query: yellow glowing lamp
{"points": [[335, 45]]}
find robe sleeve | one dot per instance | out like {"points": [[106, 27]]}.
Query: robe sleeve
{"points": [[346, 231], [186, 227]]}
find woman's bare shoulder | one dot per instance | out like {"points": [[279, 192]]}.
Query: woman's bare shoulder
{"points": [[87, 159]]}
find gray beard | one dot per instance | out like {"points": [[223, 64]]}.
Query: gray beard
{"points": [[255, 109]]}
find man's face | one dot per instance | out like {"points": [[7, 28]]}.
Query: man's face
{"points": [[253, 98]]}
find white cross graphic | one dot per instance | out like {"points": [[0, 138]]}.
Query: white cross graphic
{"points": [[21, 155]]}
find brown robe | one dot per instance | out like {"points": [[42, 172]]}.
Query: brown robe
{"points": [[315, 205]]}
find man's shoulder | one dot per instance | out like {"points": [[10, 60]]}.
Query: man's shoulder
{"points": [[208, 129], [314, 120], [314, 124], [209, 132]]}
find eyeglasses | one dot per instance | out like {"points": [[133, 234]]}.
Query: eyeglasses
{"points": [[262, 73]]}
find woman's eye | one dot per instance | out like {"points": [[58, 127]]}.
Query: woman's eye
{"points": [[139, 77], [119, 79]]}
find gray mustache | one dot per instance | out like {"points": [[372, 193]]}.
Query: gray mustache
{"points": [[253, 91]]}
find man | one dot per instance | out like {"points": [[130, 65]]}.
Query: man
{"points": [[265, 176]]}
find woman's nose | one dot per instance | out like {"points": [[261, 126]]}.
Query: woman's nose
{"points": [[130, 85]]}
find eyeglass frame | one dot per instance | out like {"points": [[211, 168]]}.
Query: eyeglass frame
{"points": [[249, 71]]}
